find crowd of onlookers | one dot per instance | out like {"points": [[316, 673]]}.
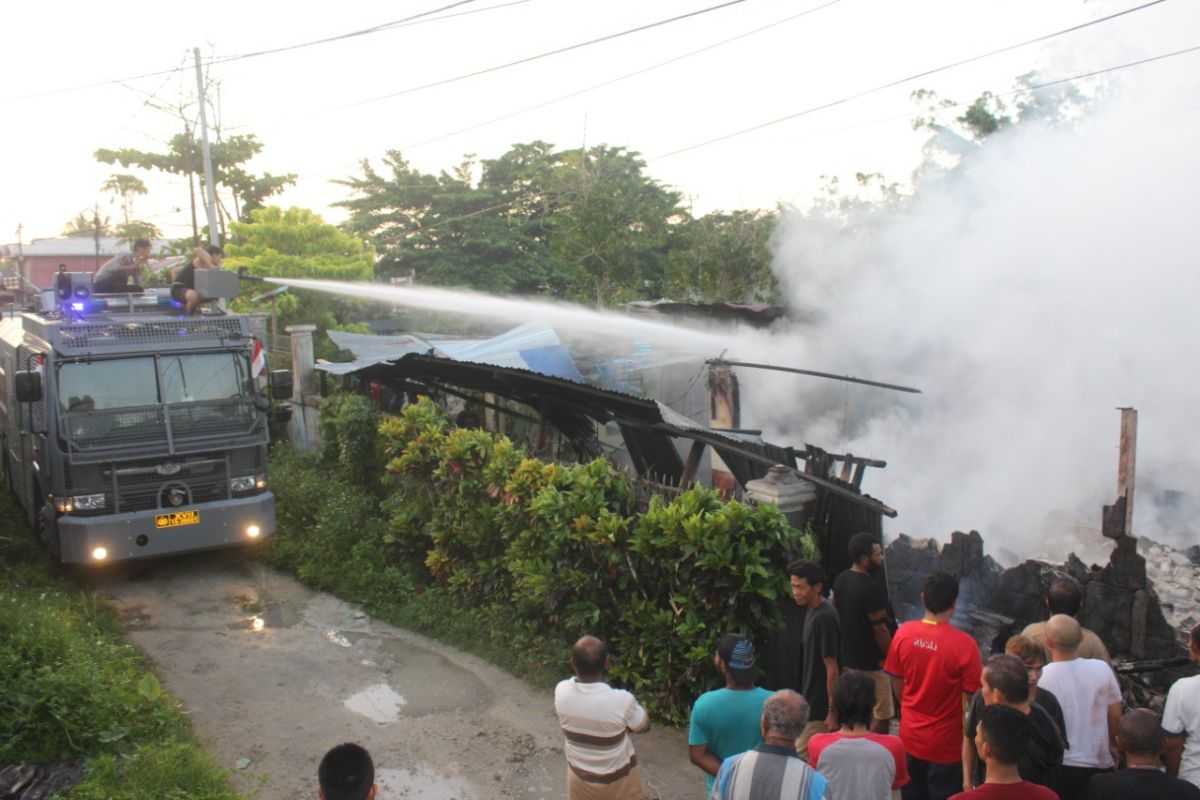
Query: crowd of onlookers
{"points": [[1044, 720]]}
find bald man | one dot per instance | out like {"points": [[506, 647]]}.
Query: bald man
{"points": [[1090, 698], [596, 720], [1140, 738]]}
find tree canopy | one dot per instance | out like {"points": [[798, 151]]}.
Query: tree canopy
{"points": [[582, 224], [297, 243]]}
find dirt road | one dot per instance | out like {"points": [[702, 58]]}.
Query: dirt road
{"points": [[274, 674]]}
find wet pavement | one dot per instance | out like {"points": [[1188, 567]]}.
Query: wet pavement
{"points": [[276, 673]]}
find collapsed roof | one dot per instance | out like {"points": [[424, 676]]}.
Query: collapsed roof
{"points": [[529, 365]]}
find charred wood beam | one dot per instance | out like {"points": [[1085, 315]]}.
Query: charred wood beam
{"points": [[815, 374], [692, 465]]}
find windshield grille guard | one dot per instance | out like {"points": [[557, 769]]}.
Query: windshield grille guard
{"points": [[162, 430], [89, 337]]}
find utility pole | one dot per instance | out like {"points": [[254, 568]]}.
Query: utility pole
{"points": [[20, 266], [210, 195], [96, 236]]}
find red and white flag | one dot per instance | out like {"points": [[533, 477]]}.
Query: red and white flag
{"points": [[259, 361]]}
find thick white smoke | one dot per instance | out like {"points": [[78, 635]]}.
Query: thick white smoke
{"points": [[1052, 277]]}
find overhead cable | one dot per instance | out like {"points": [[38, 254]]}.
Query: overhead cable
{"points": [[539, 56], [416, 19], [897, 82]]}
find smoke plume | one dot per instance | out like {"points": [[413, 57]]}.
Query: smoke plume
{"points": [[1048, 279]]}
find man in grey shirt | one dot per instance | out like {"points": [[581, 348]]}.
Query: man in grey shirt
{"points": [[114, 275]]}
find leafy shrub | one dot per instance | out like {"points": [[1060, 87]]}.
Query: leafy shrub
{"points": [[565, 546], [69, 687], [349, 427]]}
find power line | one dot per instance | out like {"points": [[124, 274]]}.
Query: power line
{"points": [[618, 79], [591, 88], [539, 56], [891, 84], [416, 19]]}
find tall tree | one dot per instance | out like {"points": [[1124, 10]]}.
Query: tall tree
{"points": [[85, 224], [723, 257], [297, 243], [613, 229], [184, 156], [566, 223], [124, 186]]}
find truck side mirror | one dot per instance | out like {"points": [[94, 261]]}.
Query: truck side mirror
{"points": [[281, 384], [28, 384]]}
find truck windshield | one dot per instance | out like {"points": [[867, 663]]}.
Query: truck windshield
{"points": [[128, 382]]}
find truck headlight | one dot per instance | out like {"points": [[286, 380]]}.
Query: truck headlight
{"points": [[248, 483], [89, 502], [244, 484]]}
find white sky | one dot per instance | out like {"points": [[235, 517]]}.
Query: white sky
{"points": [[290, 100]]}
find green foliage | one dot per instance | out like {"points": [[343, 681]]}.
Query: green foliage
{"points": [[566, 547], [723, 257], [349, 428], [185, 156], [296, 243], [170, 770], [329, 531], [69, 687], [589, 225]]}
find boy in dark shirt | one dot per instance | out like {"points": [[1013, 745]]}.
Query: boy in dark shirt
{"points": [[1140, 738]]}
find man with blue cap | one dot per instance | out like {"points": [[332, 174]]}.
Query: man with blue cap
{"points": [[728, 721]]}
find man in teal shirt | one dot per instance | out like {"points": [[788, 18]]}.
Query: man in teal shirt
{"points": [[726, 722]]}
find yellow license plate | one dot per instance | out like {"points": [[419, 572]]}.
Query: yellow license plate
{"points": [[177, 518]]}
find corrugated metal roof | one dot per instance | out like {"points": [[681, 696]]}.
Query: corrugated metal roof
{"points": [[525, 347]]}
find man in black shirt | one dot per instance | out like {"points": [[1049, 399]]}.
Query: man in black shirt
{"points": [[183, 290], [862, 606], [1005, 681], [1140, 738], [820, 640]]}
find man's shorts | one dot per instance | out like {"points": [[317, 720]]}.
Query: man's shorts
{"points": [[885, 706], [179, 292]]}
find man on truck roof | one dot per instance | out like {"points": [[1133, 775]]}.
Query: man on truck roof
{"points": [[113, 276], [183, 290]]}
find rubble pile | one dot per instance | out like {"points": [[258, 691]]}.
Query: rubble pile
{"points": [[1120, 604], [1176, 578]]}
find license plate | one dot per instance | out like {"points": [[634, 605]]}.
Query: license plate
{"points": [[177, 518]]}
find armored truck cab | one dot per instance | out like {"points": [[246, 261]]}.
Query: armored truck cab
{"points": [[129, 431]]}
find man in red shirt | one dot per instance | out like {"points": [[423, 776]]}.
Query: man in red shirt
{"points": [[1002, 738], [934, 668]]}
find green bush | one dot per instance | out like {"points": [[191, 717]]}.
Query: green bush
{"points": [[565, 546], [349, 427], [70, 687]]}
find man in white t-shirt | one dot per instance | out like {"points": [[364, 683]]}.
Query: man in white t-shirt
{"points": [[596, 720], [1181, 722], [1090, 698]]}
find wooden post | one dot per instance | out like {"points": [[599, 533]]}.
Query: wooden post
{"points": [[1126, 462]]}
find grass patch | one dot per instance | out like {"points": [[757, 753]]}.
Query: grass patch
{"points": [[71, 687], [331, 534]]}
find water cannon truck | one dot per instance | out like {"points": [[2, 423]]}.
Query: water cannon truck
{"points": [[129, 430]]}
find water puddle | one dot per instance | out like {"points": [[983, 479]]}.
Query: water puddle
{"points": [[420, 783], [429, 682], [262, 612], [378, 703]]}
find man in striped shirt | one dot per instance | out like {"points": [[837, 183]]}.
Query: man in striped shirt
{"points": [[772, 771], [596, 720]]}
